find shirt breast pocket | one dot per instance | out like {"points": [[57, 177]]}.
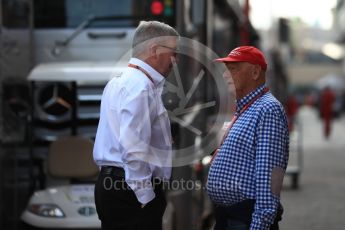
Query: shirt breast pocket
{"points": [[161, 131], [162, 113]]}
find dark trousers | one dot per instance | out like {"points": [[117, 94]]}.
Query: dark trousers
{"points": [[238, 216], [118, 207]]}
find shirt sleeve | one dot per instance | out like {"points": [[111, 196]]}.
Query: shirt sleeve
{"points": [[135, 136], [271, 152]]}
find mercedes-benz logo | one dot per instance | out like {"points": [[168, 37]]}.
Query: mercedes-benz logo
{"points": [[55, 100]]}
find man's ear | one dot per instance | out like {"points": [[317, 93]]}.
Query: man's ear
{"points": [[256, 72], [153, 51]]}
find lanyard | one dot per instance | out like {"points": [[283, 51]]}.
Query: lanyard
{"points": [[142, 70], [234, 119]]}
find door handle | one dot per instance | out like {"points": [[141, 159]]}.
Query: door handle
{"points": [[117, 35]]}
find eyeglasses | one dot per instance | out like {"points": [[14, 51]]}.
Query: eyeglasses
{"points": [[175, 50]]}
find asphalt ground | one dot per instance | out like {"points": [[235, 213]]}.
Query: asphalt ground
{"points": [[319, 202]]}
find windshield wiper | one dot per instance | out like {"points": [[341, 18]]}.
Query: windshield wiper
{"points": [[56, 50]]}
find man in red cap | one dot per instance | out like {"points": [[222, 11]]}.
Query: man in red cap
{"points": [[247, 171]]}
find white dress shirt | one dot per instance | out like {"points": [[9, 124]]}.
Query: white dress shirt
{"points": [[134, 129]]}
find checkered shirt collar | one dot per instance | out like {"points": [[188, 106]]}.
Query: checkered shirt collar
{"points": [[246, 99]]}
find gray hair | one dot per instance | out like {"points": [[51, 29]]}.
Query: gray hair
{"points": [[148, 30]]}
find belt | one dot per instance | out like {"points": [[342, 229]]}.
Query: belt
{"points": [[243, 211], [113, 171]]}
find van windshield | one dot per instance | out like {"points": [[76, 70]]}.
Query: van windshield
{"points": [[124, 13]]}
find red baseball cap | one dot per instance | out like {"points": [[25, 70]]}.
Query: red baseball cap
{"points": [[248, 54]]}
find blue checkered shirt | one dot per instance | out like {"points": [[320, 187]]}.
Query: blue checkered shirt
{"points": [[257, 142]]}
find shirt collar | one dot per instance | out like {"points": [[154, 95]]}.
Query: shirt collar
{"points": [[246, 99], [157, 78]]}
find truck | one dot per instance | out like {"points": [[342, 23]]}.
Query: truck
{"points": [[64, 52]]}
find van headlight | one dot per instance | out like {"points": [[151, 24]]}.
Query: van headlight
{"points": [[46, 210]]}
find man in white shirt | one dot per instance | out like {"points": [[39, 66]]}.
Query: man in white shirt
{"points": [[133, 140]]}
